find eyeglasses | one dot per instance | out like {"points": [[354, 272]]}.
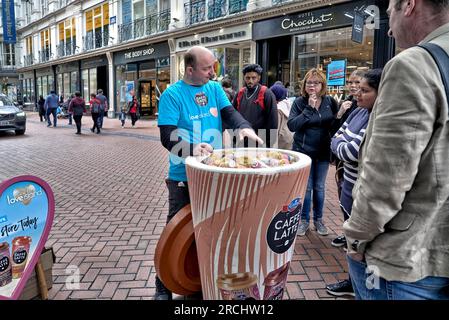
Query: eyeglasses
{"points": [[312, 83]]}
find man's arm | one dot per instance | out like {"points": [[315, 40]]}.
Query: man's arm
{"points": [[399, 131]]}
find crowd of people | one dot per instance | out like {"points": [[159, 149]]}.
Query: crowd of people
{"points": [[389, 140]]}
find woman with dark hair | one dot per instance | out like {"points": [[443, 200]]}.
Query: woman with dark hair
{"points": [[77, 107], [311, 119], [345, 145]]}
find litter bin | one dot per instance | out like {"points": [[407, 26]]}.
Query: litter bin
{"points": [[245, 222]]}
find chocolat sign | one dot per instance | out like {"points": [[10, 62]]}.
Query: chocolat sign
{"points": [[26, 215], [331, 17]]}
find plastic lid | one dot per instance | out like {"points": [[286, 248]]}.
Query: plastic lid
{"points": [[175, 259]]}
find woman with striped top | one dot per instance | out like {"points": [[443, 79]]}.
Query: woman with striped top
{"points": [[345, 145]]}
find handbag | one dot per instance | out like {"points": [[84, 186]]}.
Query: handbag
{"points": [[442, 60]]}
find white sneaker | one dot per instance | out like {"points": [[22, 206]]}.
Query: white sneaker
{"points": [[123, 127], [134, 126]]}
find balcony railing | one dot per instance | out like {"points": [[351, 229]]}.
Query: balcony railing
{"points": [[28, 60], [44, 55], [274, 2], [145, 26], [195, 10], [65, 49], [96, 39]]}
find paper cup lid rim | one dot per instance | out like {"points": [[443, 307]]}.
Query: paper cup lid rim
{"points": [[304, 161]]}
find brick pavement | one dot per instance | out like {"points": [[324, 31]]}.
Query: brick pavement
{"points": [[111, 206]]}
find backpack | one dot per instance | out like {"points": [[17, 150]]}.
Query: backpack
{"points": [[260, 97], [442, 60], [96, 106]]}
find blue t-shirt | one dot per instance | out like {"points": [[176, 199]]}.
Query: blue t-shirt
{"points": [[195, 110]]}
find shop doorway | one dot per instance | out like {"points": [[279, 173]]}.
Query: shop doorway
{"points": [[147, 97]]}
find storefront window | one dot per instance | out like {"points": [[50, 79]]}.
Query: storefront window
{"points": [[233, 66], [50, 84], [318, 50], [85, 84], [66, 85], [126, 76], [93, 80], [39, 86], [60, 88], [73, 82]]}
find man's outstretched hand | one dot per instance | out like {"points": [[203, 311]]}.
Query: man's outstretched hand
{"points": [[250, 134], [202, 149]]}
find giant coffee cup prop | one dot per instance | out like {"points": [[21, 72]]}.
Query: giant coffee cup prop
{"points": [[27, 208], [245, 220]]}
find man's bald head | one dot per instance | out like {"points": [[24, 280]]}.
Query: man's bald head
{"points": [[199, 65], [194, 54]]}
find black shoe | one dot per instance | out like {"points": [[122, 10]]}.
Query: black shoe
{"points": [[98, 132], [92, 129], [341, 288], [48, 125], [162, 293], [339, 241], [77, 132]]}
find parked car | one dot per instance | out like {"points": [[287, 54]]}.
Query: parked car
{"points": [[12, 118]]}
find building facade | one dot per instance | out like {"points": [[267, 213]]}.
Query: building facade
{"points": [[126, 46]]}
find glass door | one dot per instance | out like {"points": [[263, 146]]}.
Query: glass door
{"points": [[147, 97]]}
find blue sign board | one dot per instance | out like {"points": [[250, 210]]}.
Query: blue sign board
{"points": [[9, 21], [113, 20], [336, 73]]}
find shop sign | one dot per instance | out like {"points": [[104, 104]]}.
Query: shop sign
{"points": [[216, 37], [27, 207], [113, 20], [154, 51], [94, 62], [9, 22], [357, 28], [336, 73], [305, 22]]}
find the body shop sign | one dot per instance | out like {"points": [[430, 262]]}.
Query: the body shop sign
{"points": [[330, 17], [26, 215]]}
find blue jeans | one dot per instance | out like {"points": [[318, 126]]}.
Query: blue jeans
{"points": [[315, 189], [100, 119], [369, 287], [53, 112]]}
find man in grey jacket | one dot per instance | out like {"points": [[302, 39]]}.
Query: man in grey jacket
{"points": [[398, 233]]}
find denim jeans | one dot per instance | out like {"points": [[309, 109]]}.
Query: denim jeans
{"points": [[53, 112], [315, 190], [369, 287], [100, 119]]}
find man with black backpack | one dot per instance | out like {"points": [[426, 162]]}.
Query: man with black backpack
{"points": [[398, 232], [257, 104]]}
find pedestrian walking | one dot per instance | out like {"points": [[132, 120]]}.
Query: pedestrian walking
{"points": [[65, 108], [399, 224], [51, 105], [226, 83], [104, 107], [41, 108], [311, 119], [134, 108], [77, 107], [284, 105], [95, 108], [179, 109], [122, 116]]}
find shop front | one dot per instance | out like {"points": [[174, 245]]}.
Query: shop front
{"points": [[67, 79], [232, 47], [290, 45], [146, 72], [94, 76], [26, 95], [45, 82]]}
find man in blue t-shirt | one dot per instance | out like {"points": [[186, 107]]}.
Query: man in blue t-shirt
{"points": [[190, 122]]}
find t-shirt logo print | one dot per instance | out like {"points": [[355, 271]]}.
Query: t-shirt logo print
{"points": [[201, 99]]}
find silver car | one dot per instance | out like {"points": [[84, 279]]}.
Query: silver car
{"points": [[11, 117]]}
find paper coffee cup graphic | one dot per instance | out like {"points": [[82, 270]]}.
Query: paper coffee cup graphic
{"points": [[246, 209]]}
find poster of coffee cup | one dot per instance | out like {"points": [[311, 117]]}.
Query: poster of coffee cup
{"points": [[27, 209]]}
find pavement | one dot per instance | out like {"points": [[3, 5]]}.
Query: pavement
{"points": [[111, 207]]}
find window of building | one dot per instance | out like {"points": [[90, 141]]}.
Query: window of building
{"points": [[44, 54], [97, 27], [319, 49], [67, 37], [44, 6], [8, 54]]}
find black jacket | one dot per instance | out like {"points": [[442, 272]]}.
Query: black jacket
{"points": [[313, 128]]}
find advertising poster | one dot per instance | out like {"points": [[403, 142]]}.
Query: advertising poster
{"points": [[129, 85], [26, 216], [336, 73]]}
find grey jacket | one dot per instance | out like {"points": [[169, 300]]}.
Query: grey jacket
{"points": [[400, 214]]}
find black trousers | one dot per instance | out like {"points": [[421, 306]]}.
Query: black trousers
{"points": [[78, 122], [95, 117], [133, 118], [178, 198]]}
